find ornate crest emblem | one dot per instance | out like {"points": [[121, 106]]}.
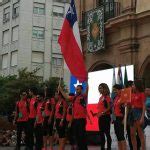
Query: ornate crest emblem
{"points": [[95, 30]]}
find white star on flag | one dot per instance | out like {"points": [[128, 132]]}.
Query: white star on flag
{"points": [[78, 83], [71, 11]]}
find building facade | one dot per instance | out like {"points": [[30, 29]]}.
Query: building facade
{"points": [[29, 32], [127, 35]]}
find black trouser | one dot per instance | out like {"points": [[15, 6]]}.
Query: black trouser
{"points": [[22, 126], [129, 139], [31, 133], [48, 128], [104, 127], [119, 129], [39, 137], [79, 129], [70, 134]]}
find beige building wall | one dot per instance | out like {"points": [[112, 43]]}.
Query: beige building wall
{"points": [[127, 38], [142, 5]]}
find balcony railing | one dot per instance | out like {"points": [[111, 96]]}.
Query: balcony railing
{"points": [[111, 10]]}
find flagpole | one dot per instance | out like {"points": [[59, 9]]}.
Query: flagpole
{"points": [[60, 76], [45, 91], [126, 108], [125, 120]]}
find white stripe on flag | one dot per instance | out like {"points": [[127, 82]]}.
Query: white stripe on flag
{"points": [[77, 34]]}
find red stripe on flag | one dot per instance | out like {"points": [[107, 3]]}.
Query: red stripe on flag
{"points": [[72, 53]]}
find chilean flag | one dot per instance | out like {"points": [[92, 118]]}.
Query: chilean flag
{"points": [[70, 43]]}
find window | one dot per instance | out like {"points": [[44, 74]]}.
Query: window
{"points": [[58, 11], [37, 57], [15, 10], [14, 58], [4, 61], [102, 2], [15, 31], [55, 37], [57, 61], [5, 37], [38, 32], [6, 15], [39, 9]]}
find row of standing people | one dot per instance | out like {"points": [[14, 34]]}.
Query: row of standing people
{"points": [[43, 114], [135, 121], [38, 115]]}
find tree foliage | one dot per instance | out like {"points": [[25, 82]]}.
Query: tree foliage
{"points": [[10, 88]]}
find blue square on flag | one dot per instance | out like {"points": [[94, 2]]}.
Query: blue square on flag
{"points": [[74, 82]]}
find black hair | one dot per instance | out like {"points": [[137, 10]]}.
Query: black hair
{"points": [[80, 86], [41, 93], [23, 90], [34, 90], [117, 86], [71, 94], [129, 83], [139, 85], [49, 92]]}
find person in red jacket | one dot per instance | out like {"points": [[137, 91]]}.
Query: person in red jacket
{"points": [[60, 116], [21, 119], [129, 117], [137, 112], [32, 114], [104, 119], [39, 121], [80, 114], [49, 109], [119, 113]]}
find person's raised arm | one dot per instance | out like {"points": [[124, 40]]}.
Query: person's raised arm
{"points": [[63, 93]]}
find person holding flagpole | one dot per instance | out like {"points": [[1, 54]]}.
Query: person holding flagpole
{"points": [[79, 102], [129, 120], [71, 49], [137, 112], [119, 112]]}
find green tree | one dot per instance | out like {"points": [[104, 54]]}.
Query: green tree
{"points": [[10, 87]]}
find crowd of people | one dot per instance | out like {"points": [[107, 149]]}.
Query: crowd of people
{"points": [[8, 138], [41, 114]]}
